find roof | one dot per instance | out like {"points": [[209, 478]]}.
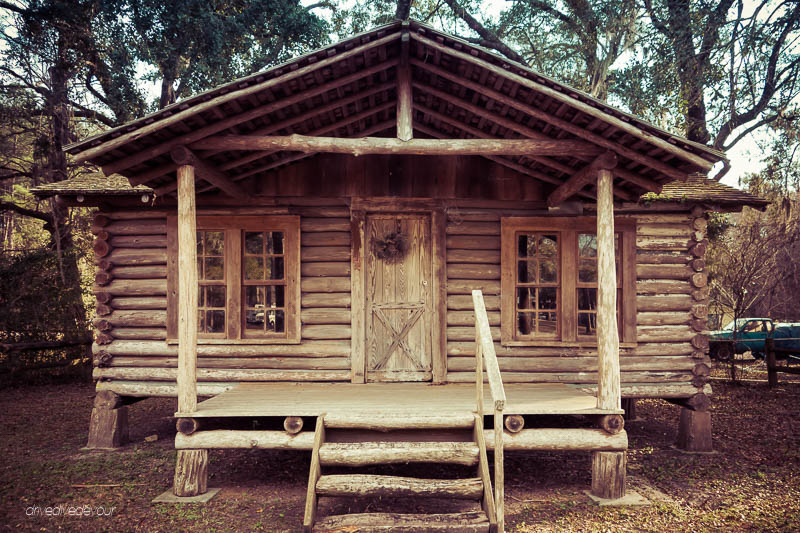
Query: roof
{"points": [[701, 189], [350, 89], [93, 183]]}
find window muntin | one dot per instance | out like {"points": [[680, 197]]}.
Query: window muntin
{"points": [[211, 301], [586, 284], [264, 282]]}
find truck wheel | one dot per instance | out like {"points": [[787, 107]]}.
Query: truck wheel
{"points": [[759, 356], [724, 353]]}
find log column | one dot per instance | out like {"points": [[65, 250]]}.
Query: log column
{"points": [[108, 427], [608, 468], [191, 473]]}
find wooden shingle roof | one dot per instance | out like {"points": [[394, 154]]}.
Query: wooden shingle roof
{"points": [[349, 89], [92, 184], [699, 189]]}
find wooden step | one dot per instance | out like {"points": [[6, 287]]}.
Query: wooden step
{"points": [[373, 453], [391, 422], [472, 522], [371, 485]]}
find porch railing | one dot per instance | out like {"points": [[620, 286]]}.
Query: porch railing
{"points": [[485, 356]]}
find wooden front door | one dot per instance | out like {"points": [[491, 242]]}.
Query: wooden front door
{"points": [[399, 297]]}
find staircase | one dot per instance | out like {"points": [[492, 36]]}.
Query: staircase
{"points": [[382, 452]]}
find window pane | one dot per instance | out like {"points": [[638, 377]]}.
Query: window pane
{"points": [[278, 292], [546, 322], [587, 245], [548, 271], [215, 321], [275, 321], [587, 299], [215, 296], [200, 294], [587, 272], [215, 242], [254, 242], [254, 320], [200, 243], [547, 298], [200, 274], [253, 267], [526, 297], [587, 324], [201, 324], [275, 242], [254, 296], [527, 271], [525, 323], [548, 245], [526, 245], [214, 268], [275, 268]]}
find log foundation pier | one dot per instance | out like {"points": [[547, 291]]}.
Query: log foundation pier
{"points": [[108, 426], [694, 431]]}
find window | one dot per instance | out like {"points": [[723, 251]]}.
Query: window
{"points": [[549, 280], [248, 279]]}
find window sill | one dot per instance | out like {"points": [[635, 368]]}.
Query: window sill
{"points": [[239, 341], [561, 344]]}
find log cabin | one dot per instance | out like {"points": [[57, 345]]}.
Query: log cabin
{"points": [[399, 239]]}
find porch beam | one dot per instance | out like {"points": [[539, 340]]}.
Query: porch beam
{"points": [[608, 382], [383, 145], [581, 178], [405, 130], [206, 171], [187, 296]]}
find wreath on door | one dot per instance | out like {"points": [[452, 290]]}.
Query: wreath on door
{"points": [[391, 248]]}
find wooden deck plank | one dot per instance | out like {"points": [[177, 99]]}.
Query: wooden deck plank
{"points": [[313, 399]]}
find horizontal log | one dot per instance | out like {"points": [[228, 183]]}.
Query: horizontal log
{"points": [[679, 229], [664, 303], [467, 348], [700, 224], [664, 348], [139, 333], [101, 248], [467, 318], [473, 242], [280, 363], [137, 256], [396, 486], [136, 287], [314, 300], [138, 241], [662, 243], [473, 271], [325, 331], [457, 333], [699, 280], [465, 522], [457, 255], [698, 265], [149, 389], [323, 315], [103, 278], [576, 364], [663, 287], [389, 145], [324, 253], [326, 238], [664, 218], [662, 318], [671, 272], [473, 228], [243, 439], [340, 269], [140, 272], [137, 318], [464, 303], [369, 453], [371, 422], [312, 224], [325, 285], [466, 286], [680, 333], [138, 302], [160, 348], [221, 374], [560, 440], [645, 257], [577, 377], [137, 227], [137, 214]]}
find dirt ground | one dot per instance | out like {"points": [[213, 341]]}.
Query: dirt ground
{"points": [[751, 482]]}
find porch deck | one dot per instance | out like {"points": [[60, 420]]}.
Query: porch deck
{"points": [[313, 399]]}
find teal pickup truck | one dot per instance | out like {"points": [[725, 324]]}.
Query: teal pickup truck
{"points": [[749, 334]]}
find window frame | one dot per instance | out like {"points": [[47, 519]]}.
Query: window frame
{"points": [[234, 228], [567, 229]]}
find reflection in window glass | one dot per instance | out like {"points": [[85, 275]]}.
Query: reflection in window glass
{"points": [[264, 282], [537, 284]]}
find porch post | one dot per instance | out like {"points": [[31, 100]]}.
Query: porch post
{"points": [[191, 465], [608, 388], [608, 468], [187, 292]]}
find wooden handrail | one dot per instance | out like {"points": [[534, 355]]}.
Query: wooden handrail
{"points": [[485, 355]]}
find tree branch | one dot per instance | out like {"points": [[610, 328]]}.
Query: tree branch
{"points": [[8, 206], [481, 30]]}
